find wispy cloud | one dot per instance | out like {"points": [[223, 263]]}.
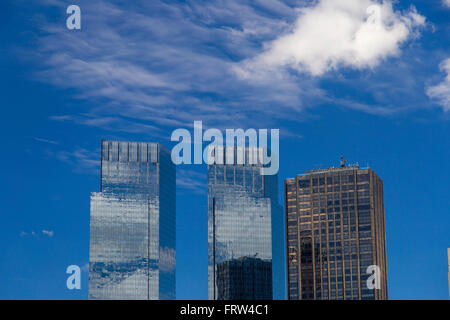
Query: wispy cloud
{"points": [[49, 233], [446, 3], [45, 140], [113, 123], [145, 65], [81, 159], [191, 180], [441, 91]]}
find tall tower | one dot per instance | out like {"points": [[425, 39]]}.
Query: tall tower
{"points": [[132, 225], [336, 247], [245, 231]]}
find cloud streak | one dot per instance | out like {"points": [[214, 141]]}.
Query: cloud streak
{"points": [[134, 63], [48, 233], [441, 92], [149, 66], [45, 140], [81, 159], [191, 180]]}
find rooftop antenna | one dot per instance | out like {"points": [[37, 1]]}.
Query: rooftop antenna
{"points": [[343, 162]]}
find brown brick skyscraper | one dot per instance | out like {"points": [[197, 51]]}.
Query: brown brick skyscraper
{"points": [[335, 235]]}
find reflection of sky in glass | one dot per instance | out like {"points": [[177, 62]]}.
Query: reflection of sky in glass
{"points": [[132, 230], [244, 223]]}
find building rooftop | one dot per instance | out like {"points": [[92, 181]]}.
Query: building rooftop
{"points": [[351, 167]]}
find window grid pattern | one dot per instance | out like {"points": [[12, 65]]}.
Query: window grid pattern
{"points": [[335, 230], [132, 225], [245, 234]]}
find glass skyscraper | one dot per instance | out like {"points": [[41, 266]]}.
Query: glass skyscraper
{"points": [[132, 224], [336, 247], [245, 232]]}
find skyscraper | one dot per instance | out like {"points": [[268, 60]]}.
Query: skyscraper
{"points": [[245, 231], [336, 247], [132, 225]]}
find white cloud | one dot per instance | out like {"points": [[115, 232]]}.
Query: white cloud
{"points": [[49, 233], [81, 159], [446, 3], [136, 66], [142, 67], [45, 140], [191, 180], [441, 91], [338, 33]]}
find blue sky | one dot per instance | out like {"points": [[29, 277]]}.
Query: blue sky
{"points": [[313, 69]]}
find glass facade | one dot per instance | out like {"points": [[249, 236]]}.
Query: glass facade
{"points": [[244, 278], [132, 225], [245, 233], [335, 230]]}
